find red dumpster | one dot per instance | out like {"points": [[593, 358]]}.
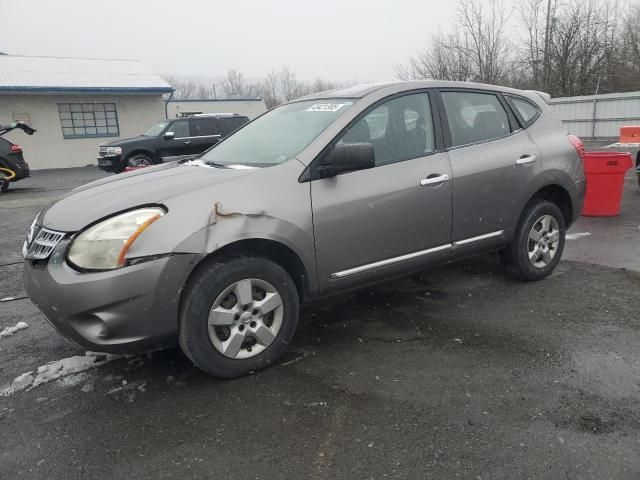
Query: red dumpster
{"points": [[605, 182]]}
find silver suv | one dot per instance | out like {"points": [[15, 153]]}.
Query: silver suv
{"points": [[323, 194]]}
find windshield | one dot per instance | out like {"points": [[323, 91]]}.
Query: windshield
{"points": [[155, 130], [278, 135]]}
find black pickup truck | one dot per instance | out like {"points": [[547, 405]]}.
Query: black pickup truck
{"points": [[168, 140]]}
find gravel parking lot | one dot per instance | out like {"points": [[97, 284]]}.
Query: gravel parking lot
{"points": [[458, 372]]}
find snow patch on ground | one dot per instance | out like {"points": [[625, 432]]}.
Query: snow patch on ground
{"points": [[7, 332], [576, 236], [58, 369]]}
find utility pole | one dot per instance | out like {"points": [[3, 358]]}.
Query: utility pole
{"points": [[547, 29]]}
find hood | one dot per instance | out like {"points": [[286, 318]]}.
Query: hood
{"points": [[122, 142], [146, 186]]}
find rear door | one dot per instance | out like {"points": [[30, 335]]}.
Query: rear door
{"points": [[231, 124], [492, 161], [395, 217], [205, 132]]}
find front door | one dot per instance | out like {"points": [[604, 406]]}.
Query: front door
{"points": [[395, 217], [180, 143]]}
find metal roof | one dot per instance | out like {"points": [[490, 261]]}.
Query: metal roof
{"points": [[77, 75]]}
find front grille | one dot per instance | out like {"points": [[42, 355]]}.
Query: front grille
{"points": [[44, 243], [102, 151]]}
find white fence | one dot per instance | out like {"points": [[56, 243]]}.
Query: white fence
{"points": [[598, 116]]}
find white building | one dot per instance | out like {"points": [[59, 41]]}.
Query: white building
{"points": [[598, 116], [76, 104], [250, 107]]}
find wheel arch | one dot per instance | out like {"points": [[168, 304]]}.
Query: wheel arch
{"points": [[560, 196], [143, 151], [270, 249]]}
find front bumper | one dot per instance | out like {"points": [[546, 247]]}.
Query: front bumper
{"points": [[128, 310], [109, 163]]}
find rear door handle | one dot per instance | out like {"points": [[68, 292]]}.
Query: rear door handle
{"points": [[526, 159], [434, 180], [187, 142]]}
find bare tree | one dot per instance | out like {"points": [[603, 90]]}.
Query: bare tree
{"points": [[477, 50], [183, 89], [483, 26], [234, 84], [446, 59]]}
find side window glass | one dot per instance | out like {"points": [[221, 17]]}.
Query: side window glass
{"points": [[475, 117], [233, 123], [180, 128], [528, 112], [399, 129], [202, 127]]}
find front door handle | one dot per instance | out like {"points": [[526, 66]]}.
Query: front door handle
{"points": [[434, 180], [526, 159], [187, 142]]}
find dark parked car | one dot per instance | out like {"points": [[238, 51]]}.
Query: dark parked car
{"points": [[168, 140], [11, 156], [321, 195]]}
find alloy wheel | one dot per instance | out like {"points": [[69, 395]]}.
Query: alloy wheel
{"points": [[245, 318], [543, 241]]}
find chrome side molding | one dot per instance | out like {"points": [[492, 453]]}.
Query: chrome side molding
{"points": [[409, 256], [390, 261], [479, 238]]}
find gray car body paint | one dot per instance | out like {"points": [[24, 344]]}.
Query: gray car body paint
{"points": [[347, 231]]}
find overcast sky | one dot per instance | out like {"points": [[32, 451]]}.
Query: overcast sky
{"points": [[343, 40]]}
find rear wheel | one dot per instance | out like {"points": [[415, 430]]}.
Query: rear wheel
{"points": [[238, 316], [538, 243]]}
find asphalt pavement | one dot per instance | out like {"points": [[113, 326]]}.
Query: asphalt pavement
{"points": [[459, 372]]}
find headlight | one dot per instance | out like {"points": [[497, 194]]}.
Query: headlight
{"points": [[105, 245], [113, 151]]}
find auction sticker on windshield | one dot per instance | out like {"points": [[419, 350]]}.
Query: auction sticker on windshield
{"points": [[325, 107]]}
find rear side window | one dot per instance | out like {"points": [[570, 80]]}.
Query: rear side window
{"points": [[229, 124], [202, 127], [475, 117], [527, 111]]}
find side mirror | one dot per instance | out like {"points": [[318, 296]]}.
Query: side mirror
{"points": [[347, 157], [168, 135]]}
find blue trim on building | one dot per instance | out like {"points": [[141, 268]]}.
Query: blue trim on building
{"points": [[234, 99], [4, 88]]}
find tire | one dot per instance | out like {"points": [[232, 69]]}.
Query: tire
{"points": [[139, 160], [526, 258], [240, 340]]}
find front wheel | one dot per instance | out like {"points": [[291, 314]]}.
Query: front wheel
{"points": [[538, 243], [238, 316], [139, 160]]}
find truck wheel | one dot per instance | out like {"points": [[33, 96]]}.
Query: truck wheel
{"points": [[139, 160], [238, 316], [538, 243]]}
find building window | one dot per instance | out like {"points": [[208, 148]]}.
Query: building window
{"points": [[80, 120]]}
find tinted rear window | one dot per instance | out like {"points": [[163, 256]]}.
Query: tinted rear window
{"points": [[527, 111], [229, 124], [475, 117]]}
